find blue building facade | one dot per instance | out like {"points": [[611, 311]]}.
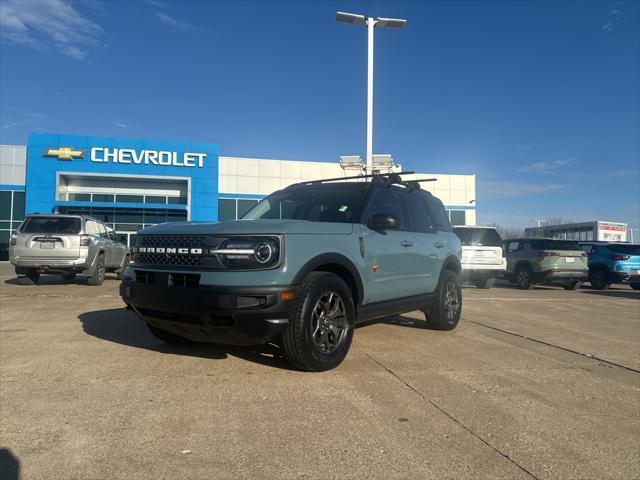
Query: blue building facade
{"points": [[67, 172]]}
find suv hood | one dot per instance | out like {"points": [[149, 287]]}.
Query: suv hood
{"points": [[249, 227]]}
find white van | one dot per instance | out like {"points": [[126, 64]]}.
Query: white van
{"points": [[482, 256]]}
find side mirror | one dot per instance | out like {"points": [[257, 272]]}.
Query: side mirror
{"points": [[383, 221]]}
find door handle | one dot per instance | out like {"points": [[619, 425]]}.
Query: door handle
{"points": [[406, 243], [438, 244]]}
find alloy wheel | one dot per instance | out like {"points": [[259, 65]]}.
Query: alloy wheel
{"points": [[451, 301], [329, 322]]}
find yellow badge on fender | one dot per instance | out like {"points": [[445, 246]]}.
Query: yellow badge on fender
{"points": [[374, 267]]}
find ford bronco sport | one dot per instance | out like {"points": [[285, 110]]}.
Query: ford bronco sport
{"points": [[66, 245], [301, 268]]}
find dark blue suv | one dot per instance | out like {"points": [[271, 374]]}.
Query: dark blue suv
{"points": [[613, 263]]}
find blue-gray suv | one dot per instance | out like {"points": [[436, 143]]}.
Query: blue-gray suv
{"points": [[301, 268]]}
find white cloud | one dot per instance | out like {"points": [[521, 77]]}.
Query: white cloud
{"points": [[23, 119], [502, 190], [624, 173], [614, 17], [120, 123], [173, 22], [545, 168], [47, 25]]}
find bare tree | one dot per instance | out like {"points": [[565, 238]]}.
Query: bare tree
{"points": [[507, 232], [555, 221]]}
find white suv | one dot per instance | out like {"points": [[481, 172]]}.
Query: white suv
{"points": [[482, 256]]}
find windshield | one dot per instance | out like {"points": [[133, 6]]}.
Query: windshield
{"points": [[555, 245], [312, 204], [625, 248], [486, 237], [62, 225]]}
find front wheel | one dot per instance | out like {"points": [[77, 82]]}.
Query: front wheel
{"points": [[572, 285], [445, 313], [320, 330], [485, 283]]}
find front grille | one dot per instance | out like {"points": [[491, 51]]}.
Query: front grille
{"points": [[184, 260]]}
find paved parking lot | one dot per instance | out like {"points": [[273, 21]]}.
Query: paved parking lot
{"points": [[533, 384]]}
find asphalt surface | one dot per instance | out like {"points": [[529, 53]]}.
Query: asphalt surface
{"points": [[532, 384]]}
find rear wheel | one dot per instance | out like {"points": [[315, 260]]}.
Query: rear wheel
{"points": [[572, 285], [99, 273], [485, 282], [30, 278], [524, 277], [598, 279], [445, 313], [320, 330], [167, 337]]}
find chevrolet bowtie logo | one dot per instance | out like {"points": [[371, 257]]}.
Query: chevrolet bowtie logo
{"points": [[64, 153]]}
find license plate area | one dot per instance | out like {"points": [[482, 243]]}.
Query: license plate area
{"points": [[51, 244], [569, 259]]}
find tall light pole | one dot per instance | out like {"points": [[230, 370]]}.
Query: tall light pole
{"points": [[371, 23]]}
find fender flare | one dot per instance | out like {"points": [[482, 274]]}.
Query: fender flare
{"points": [[332, 259]]}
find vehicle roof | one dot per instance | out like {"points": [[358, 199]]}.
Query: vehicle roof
{"points": [[352, 186], [475, 227], [66, 215], [528, 239]]}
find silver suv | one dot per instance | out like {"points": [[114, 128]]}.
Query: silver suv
{"points": [[66, 245]]}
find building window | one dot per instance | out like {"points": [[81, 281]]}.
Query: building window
{"points": [[102, 197], [457, 217], [11, 215], [130, 198], [226, 209], [234, 208]]}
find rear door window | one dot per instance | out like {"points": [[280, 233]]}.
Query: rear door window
{"points": [[419, 217], [59, 225], [513, 246], [554, 245], [627, 249], [485, 237], [439, 214]]}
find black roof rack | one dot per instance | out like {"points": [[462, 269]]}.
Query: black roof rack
{"points": [[391, 178]]}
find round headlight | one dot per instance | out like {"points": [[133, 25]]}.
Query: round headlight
{"points": [[264, 252]]}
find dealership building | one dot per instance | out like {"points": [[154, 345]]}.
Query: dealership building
{"points": [[131, 183]]}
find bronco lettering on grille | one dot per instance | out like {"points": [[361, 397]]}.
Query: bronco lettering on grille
{"points": [[168, 250]]}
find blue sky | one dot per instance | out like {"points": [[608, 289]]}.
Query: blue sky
{"points": [[539, 99]]}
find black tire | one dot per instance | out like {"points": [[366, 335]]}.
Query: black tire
{"points": [[68, 277], [167, 337], [485, 282], [30, 278], [524, 277], [635, 286], [572, 286], [317, 340], [445, 313], [599, 279], [99, 272]]}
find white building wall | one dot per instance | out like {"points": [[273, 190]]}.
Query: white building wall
{"points": [[13, 164]]}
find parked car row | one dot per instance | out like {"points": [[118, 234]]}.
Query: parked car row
{"points": [[527, 262]]}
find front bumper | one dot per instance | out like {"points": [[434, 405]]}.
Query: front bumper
{"points": [[561, 276], [218, 314]]}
